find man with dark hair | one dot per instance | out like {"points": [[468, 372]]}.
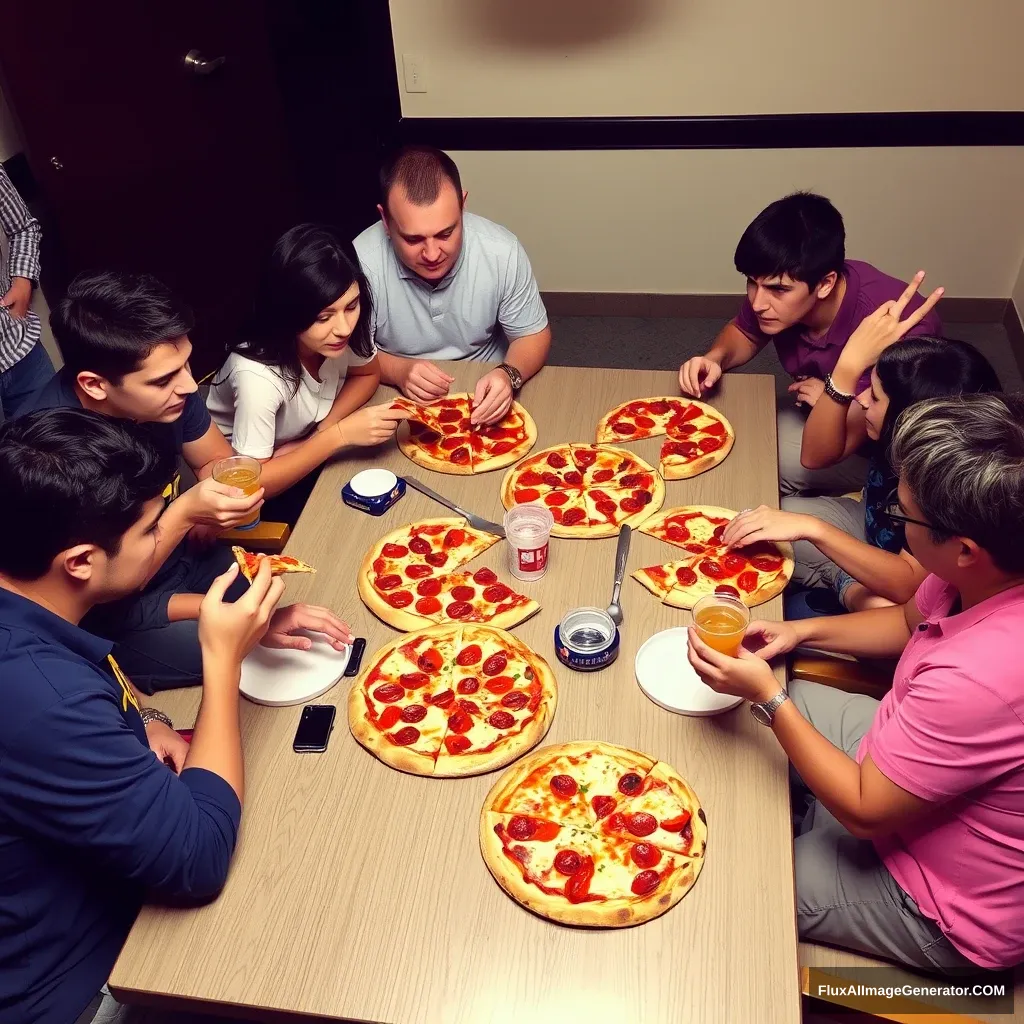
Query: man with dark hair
{"points": [[448, 285], [125, 341], [102, 804], [912, 837], [804, 296]]}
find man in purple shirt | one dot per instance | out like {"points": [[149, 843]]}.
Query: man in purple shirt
{"points": [[807, 298]]}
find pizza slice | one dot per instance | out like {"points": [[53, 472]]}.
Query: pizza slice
{"points": [[472, 597], [501, 444], [694, 528], [662, 580], [632, 421], [249, 563], [735, 574], [609, 507]]}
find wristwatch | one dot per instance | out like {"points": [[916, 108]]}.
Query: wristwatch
{"points": [[514, 376], [765, 713], [842, 397], [153, 715]]}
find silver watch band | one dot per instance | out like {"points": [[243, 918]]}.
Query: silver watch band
{"points": [[515, 378], [154, 715], [765, 713]]}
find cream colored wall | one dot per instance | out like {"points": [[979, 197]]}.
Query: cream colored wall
{"points": [[668, 221], [536, 58]]}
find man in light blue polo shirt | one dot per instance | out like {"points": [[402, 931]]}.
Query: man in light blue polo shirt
{"points": [[448, 285]]}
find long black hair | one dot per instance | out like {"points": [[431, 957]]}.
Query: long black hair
{"points": [[920, 368], [308, 269]]}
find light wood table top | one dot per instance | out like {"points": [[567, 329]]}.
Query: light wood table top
{"points": [[359, 892]]}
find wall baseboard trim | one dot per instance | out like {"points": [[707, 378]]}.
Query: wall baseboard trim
{"points": [[1015, 331], [954, 310]]}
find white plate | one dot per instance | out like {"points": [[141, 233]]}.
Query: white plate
{"points": [[282, 678], [668, 678]]}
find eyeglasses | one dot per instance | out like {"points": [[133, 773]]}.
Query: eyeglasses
{"points": [[892, 511]]}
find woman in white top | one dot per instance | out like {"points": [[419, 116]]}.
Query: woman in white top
{"points": [[291, 394]]}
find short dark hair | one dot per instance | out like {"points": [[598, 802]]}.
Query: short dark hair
{"points": [[109, 322], [422, 172], [801, 235], [308, 269], [70, 476]]}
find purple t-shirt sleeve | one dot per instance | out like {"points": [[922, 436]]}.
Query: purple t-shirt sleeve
{"points": [[195, 418]]}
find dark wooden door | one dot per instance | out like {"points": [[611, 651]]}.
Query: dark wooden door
{"points": [[144, 163]]}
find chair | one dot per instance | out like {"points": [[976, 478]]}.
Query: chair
{"points": [[853, 675]]}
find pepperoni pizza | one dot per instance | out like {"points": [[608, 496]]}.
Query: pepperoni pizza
{"points": [[413, 578], [591, 489], [249, 563], [452, 700], [755, 574], [588, 833], [440, 437], [699, 437]]}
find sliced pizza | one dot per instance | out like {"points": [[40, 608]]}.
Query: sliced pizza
{"points": [[249, 563]]}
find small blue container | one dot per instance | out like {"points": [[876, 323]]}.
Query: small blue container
{"points": [[587, 640], [373, 491]]}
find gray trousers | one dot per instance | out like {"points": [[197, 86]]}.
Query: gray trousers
{"points": [[843, 477], [812, 568], [845, 896]]}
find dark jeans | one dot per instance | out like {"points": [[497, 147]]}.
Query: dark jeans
{"points": [[26, 376]]}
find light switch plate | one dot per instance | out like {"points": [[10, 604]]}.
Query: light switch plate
{"points": [[415, 73]]}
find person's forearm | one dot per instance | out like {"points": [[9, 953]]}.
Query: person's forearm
{"points": [[280, 472], [216, 740], [879, 633], [183, 606], [171, 530], [824, 439], [731, 348], [890, 575], [529, 354], [354, 394], [393, 369]]}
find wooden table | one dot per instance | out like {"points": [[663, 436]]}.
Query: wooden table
{"points": [[360, 893]]}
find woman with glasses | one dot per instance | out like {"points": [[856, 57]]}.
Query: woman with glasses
{"points": [[853, 546]]}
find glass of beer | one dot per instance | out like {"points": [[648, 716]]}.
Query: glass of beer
{"points": [[244, 473], [721, 621]]}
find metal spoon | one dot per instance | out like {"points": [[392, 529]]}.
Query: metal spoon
{"points": [[621, 554]]}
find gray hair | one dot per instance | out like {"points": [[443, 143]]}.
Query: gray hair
{"points": [[963, 460]]}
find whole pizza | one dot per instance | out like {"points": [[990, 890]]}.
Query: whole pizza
{"points": [[588, 833], [452, 700], [413, 578], [699, 437], [591, 489], [440, 436], [754, 574]]}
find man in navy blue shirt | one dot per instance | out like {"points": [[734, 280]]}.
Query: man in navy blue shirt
{"points": [[124, 338], [92, 821]]}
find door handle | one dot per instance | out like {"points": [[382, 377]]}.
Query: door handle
{"points": [[197, 65]]}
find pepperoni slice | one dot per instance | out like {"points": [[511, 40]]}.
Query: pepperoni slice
{"points": [[420, 546], [389, 717], [747, 581], [644, 883], [733, 563], [444, 699], [430, 660], [530, 478], [690, 412], [459, 456], [631, 505], [631, 480], [414, 713], [602, 476], [568, 862], [563, 786], [630, 783], [522, 828], [502, 720], [766, 563], [500, 684], [394, 551], [603, 805], [449, 416], [695, 549], [469, 706], [418, 572], [556, 498], [497, 593], [623, 428], [676, 532], [428, 605], [676, 824], [585, 457], [687, 449], [430, 587], [577, 888], [455, 538], [410, 734], [644, 855], [515, 700], [644, 422], [485, 577], [379, 565], [573, 516], [712, 569], [429, 437], [459, 609], [526, 494], [436, 559], [686, 576], [725, 588], [716, 429], [468, 685], [658, 408], [451, 441], [556, 460], [615, 822], [414, 680], [677, 429], [574, 477], [389, 692], [399, 598], [463, 593], [495, 664], [469, 655], [457, 744], [641, 823], [388, 582], [710, 444], [460, 722]]}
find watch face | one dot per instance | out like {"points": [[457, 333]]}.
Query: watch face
{"points": [[763, 716]]}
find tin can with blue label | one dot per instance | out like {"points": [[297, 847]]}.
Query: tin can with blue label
{"points": [[373, 491], [587, 640]]}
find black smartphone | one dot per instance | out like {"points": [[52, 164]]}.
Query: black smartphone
{"points": [[315, 725], [356, 657]]}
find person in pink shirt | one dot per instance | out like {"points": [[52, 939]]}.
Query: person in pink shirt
{"points": [[912, 845]]}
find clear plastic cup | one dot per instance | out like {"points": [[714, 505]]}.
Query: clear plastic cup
{"points": [[528, 532], [721, 621], [244, 473]]}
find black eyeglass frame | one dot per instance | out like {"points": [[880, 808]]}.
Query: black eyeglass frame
{"points": [[891, 510]]}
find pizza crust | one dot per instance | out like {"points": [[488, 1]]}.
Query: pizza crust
{"points": [[657, 522], [368, 736], [414, 453], [400, 618]]}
